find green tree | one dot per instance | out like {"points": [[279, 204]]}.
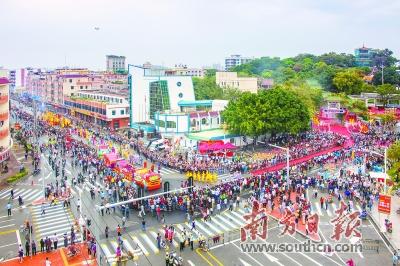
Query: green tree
{"points": [[244, 115], [386, 92], [394, 163], [390, 76], [311, 96], [231, 94], [383, 57], [348, 81], [206, 88], [285, 112], [273, 111]]}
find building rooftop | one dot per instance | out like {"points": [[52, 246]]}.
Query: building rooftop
{"points": [[214, 134], [185, 103]]}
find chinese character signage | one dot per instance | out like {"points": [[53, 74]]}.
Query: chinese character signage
{"points": [[346, 222], [384, 204]]}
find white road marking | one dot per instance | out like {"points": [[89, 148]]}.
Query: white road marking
{"points": [[18, 237], [191, 263], [318, 207], [109, 256], [7, 225], [146, 253], [204, 229], [272, 259]]}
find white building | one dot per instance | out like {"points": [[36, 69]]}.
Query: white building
{"points": [[236, 60], [193, 116], [151, 91], [231, 80], [5, 139], [115, 63], [184, 70]]}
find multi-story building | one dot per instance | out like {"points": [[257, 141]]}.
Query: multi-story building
{"points": [[236, 60], [364, 56], [231, 80], [5, 139], [115, 83], [193, 116], [107, 110], [152, 90], [115, 63], [52, 86], [183, 70], [12, 79]]}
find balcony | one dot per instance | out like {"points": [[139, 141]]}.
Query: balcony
{"points": [[3, 116], [3, 99]]}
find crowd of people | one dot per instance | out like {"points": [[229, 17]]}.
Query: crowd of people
{"points": [[271, 189]]}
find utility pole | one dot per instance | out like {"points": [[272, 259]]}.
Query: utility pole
{"points": [[382, 66]]}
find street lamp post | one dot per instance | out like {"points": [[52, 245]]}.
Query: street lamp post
{"points": [[287, 161]]}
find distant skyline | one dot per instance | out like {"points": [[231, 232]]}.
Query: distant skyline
{"points": [[52, 33]]}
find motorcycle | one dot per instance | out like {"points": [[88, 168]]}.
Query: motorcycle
{"points": [[363, 215], [36, 172], [176, 260], [388, 225]]}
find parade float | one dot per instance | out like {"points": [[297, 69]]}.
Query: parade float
{"points": [[145, 178]]}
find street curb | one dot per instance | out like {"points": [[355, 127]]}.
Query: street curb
{"points": [[382, 234]]}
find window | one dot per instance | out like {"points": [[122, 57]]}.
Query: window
{"points": [[81, 87], [120, 100], [72, 87], [179, 84], [122, 112], [203, 121], [180, 95], [113, 112], [70, 80], [171, 124]]}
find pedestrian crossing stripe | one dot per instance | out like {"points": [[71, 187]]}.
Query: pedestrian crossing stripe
{"points": [[109, 256], [5, 192], [242, 211], [359, 208], [144, 250], [180, 227], [204, 229], [30, 194], [232, 219], [238, 215], [173, 240], [318, 209], [220, 224], [329, 213], [190, 228], [226, 221], [215, 229], [54, 221], [150, 243], [136, 252]]}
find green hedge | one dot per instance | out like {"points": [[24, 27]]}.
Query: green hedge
{"points": [[17, 177]]}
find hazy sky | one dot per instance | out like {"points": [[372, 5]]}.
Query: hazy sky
{"points": [[46, 33]]}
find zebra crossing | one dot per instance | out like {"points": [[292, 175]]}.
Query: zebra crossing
{"points": [[332, 207], [144, 242], [56, 220], [27, 194]]}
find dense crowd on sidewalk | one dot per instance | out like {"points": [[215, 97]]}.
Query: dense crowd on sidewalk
{"points": [[207, 200]]}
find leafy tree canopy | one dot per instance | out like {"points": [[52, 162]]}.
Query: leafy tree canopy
{"points": [[278, 110]]}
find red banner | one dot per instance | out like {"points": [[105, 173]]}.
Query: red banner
{"points": [[384, 204]]}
